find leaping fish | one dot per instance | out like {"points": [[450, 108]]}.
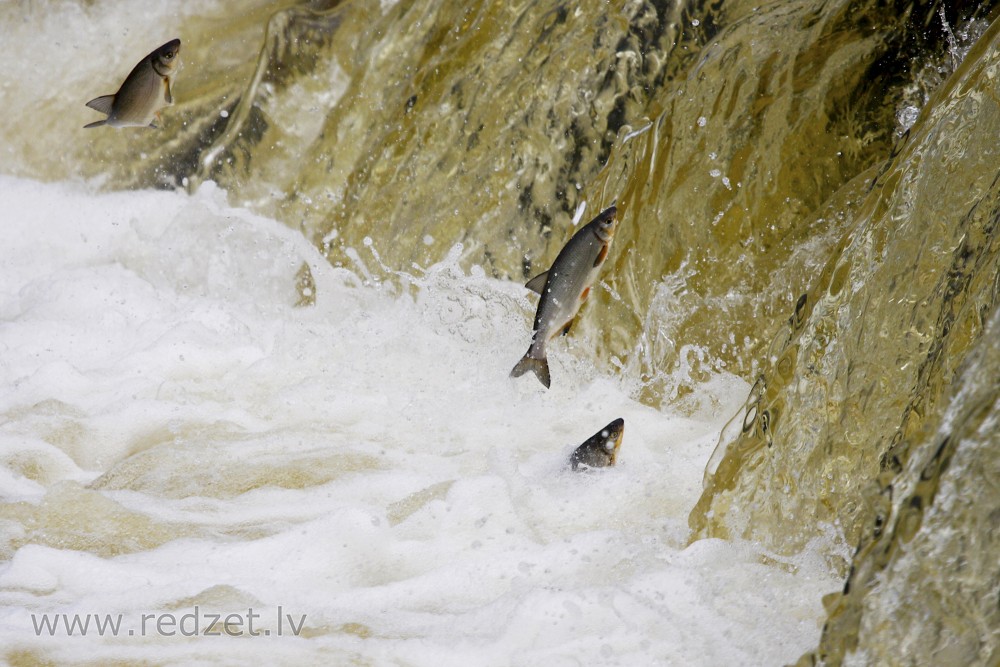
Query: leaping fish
{"points": [[601, 449], [144, 93], [564, 288]]}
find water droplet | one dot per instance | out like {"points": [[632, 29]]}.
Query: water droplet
{"points": [[906, 117]]}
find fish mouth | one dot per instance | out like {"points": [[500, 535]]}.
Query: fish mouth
{"points": [[617, 430]]}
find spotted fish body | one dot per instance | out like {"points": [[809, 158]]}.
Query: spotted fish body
{"points": [[601, 449], [144, 92], [564, 288]]}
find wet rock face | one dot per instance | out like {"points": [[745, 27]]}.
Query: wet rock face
{"points": [[880, 397], [861, 366], [923, 583]]}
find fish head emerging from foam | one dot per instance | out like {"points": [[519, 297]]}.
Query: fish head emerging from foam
{"points": [[601, 449]]}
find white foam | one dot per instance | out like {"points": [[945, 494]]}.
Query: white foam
{"points": [[173, 432]]}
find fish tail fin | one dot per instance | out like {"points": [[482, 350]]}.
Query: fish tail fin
{"points": [[540, 367], [96, 123]]}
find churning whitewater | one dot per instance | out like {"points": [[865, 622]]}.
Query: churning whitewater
{"points": [[354, 480]]}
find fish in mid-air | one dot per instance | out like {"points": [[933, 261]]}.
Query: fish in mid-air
{"points": [[564, 288], [144, 93], [601, 449]]}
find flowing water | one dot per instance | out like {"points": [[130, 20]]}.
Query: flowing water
{"points": [[255, 362]]}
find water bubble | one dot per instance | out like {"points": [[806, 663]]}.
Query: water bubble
{"points": [[906, 117], [702, 121], [695, 22], [224, 113]]}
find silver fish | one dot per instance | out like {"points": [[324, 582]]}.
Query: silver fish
{"points": [[564, 288], [601, 449], [144, 93]]}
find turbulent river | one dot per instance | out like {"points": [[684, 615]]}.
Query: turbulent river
{"points": [[255, 362]]}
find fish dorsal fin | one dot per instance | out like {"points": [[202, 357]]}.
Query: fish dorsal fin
{"points": [[102, 103], [537, 284]]}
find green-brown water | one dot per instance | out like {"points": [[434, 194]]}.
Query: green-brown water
{"points": [[810, 196]]}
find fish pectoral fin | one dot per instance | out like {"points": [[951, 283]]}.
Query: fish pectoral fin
{"points": [[96, 123], [601, 256], [102, 104], [537, 284], [167, 96], [567, 327]]}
